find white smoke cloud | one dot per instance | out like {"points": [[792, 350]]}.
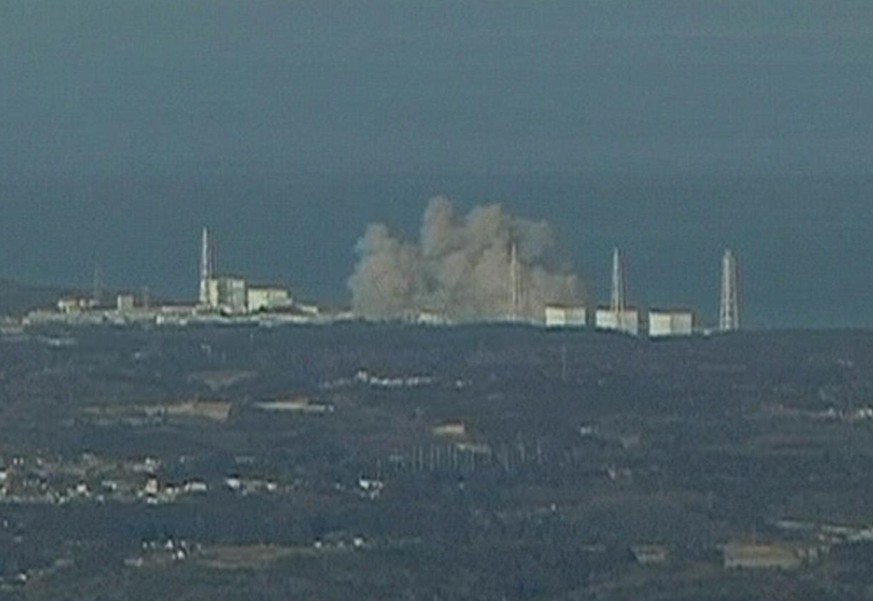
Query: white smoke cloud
{"points": [[461, 268]]}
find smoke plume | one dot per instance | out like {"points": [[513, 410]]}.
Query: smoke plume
{"points": [[462, 268]]}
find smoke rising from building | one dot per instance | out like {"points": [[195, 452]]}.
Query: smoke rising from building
{"points": [[462, 268]]}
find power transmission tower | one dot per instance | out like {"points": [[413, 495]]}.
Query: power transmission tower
{"points": [[206, 266], [618, 300], [729, 307], [619, 283], [515, 284]]}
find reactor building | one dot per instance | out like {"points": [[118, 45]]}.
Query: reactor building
{"points": [[618, 317], [656, 322], [233, 295]]}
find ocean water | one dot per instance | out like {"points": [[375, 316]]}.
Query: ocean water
{"points": [[804, 243], [667, 131]]}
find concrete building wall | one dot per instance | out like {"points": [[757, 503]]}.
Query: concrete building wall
{"points": [[264, 298], [683, 323], [212, 293], [565, 317], [670, 323], [627, 321], [232, 294], [227, 294], [74, 305], [124, 303]]}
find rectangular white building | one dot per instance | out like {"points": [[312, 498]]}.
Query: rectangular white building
{"points": [[266, 298], [670, 323], [124, 303], [627, 321], [559, 316], [227, 294]]}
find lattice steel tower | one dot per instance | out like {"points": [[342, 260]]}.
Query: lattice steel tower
{"points": [[516, 290], [729, 308], [205, 267], [619, 286]]}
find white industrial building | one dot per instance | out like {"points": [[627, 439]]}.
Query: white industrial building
{"points": [[560, 316], [227, 294], [125, 303], [232, 295], [75, 305], [664, 323], [626, 321], [267, 298]]}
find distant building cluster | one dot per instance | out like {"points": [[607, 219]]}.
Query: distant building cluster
{"points": [[618, 316], [230, 298], [232, 295], [222, 299], [658, 323]]}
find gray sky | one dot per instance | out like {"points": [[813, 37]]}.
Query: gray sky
{"points": [[670, 128]]}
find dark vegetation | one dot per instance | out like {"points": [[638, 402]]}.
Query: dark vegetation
{"points": [[575, 447]]}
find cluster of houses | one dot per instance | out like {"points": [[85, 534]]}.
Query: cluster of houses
{"points": [[53, 480]]}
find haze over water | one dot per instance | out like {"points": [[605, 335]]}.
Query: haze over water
{"points": [[671, 130]]}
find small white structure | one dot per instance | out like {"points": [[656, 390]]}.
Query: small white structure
{"points": [[450, 429], [558, 316], [124, 303], [266, 298], [152, 486], [627, 321], [779, 556], [370, 484], [195, 486], [74, 305], [670, 323], [431, 318]]}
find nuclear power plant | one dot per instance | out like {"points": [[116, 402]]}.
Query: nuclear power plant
{"points": [[221, 299], [487, 267]]}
